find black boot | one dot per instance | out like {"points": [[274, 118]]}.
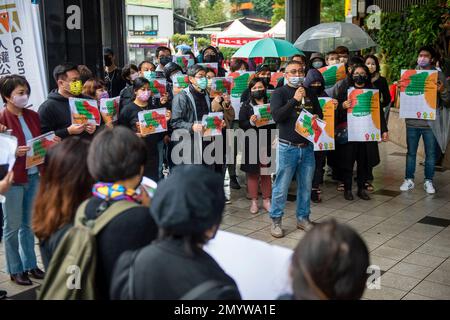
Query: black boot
{"points": [[348, 195], [363, 194], [234, 184]]}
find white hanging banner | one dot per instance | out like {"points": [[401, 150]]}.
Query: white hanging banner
{"points": [[21, 48]]}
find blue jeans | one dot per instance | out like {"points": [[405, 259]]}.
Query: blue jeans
{"points": [[429, 142], [17, 234], [301, 163]]}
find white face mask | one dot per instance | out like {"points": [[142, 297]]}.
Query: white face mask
{"points": [[20, 101]]}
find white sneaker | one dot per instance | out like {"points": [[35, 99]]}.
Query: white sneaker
{"points": [[428, 187], [407, 185]]}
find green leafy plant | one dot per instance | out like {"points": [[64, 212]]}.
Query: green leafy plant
{"points": [[402, 34]]}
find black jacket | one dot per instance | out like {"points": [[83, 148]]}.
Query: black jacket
{"points": [[346, 151], [244, 123], [55, 115], [164, 271], [385, 95], [131, 230], [114, 82], [128, 117], [285, 111], [126, 96]]}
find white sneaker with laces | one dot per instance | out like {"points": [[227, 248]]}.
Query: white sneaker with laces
{"points": [[428, 187], [407, 185]]}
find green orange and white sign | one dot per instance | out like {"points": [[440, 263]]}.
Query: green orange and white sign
{"points": [[326, 140], [84, 111], [220, 86], [333, 74], [263, 115], [38, 149], [309, 126], [152, 121], [363, 116], [158, 87], [418, 94], [240, 84], [109, 108], [212, 124], [179, 83]]}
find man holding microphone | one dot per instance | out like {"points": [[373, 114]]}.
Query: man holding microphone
{"points": [[295, 153]]}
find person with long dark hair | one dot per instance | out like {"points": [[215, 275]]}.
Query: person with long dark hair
{"points": [[254, 169], [365, 154], [65, 184], [128, 117], [379, 82]]}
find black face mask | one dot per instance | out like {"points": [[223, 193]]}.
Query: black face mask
{"points": [[266, 80], [210, 58], [165, 60], [360, 79], [317, 90], [108, 61], [258, 94]]}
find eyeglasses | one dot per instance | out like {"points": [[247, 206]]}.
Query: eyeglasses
{"points": [[293, 72]]}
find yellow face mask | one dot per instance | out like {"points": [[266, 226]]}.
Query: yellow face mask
{"points": [[76, 87]]}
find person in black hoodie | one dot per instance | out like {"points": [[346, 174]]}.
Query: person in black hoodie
{"points": [[316, 84], [128, 117], [54, 113], [212, 55], [175, 266], [295, 153], [366, 154]]}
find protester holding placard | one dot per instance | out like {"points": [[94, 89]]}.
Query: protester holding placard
{"points": [[211, 55], [316, 84], [96, 89], [19, 239], [222, 103], [379, 82], [189, 107], [415, 128], [129, 73], [55, 114], [295, 153], [365, 153], [257, 157], [128, 117]]}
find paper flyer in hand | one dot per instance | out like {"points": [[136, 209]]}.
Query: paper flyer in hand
{"points": [[263, 114], [8, 149], [179, 83], [219, 86], [149, 186], [84, 111], [269, 94], [363, 116], [109, 109], [240, 84], [38, 149], [184, 61], [309, 127], [152, 121], [326, 140], [212, 123], [333, 74], [418, 94], [158, 87]]}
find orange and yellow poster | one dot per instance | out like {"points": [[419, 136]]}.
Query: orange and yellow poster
{"points": [[333, 74], [363, 116], [418, 94]]}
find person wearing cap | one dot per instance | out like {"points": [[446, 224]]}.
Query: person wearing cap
{"points": [[113, 74], [176, 265], [316, 61]]}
